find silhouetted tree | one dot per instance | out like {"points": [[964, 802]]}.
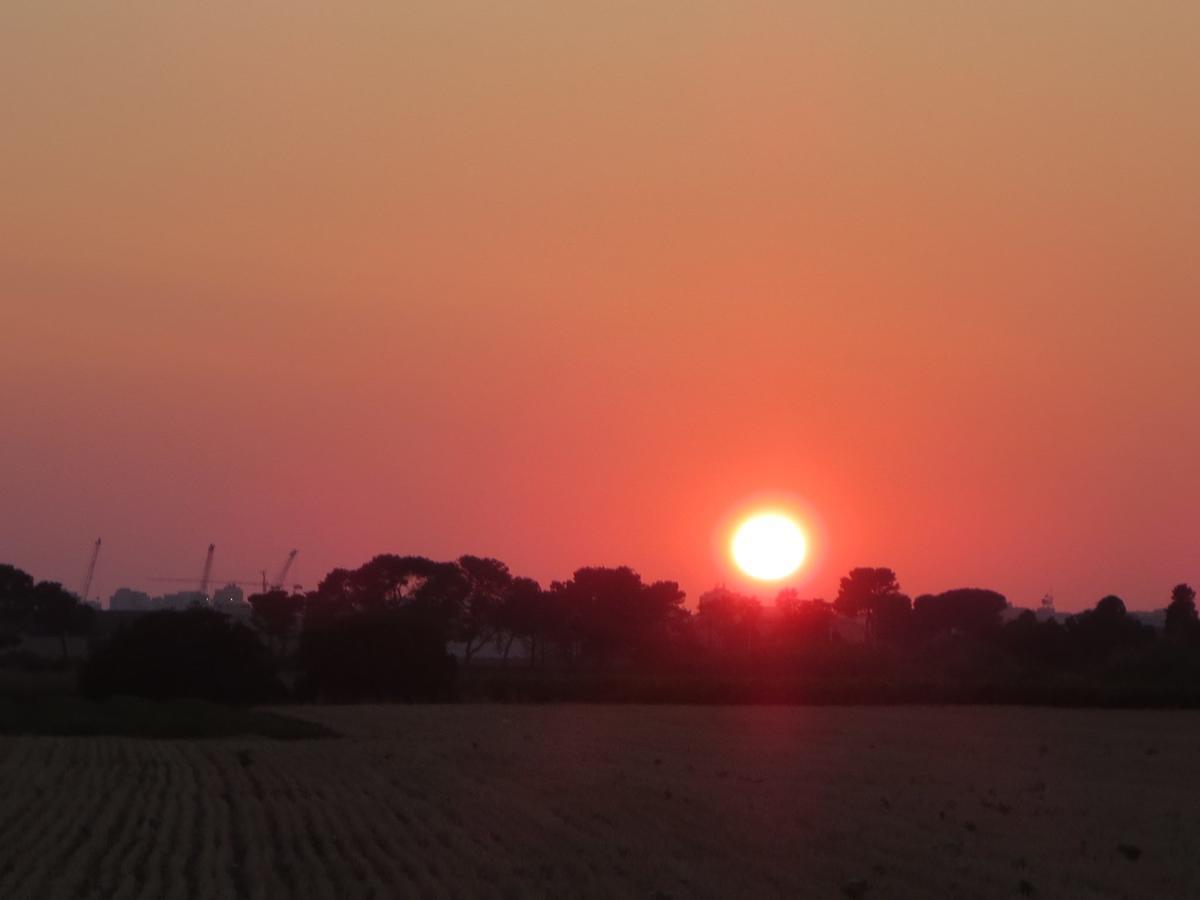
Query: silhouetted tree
{"points": [[1096, 634], [380, 631], [1182, 619], [60, 613], [611, 612], [481, 615], [433, 590], [16, 598], [875, 592], [275, 615], [729, 620], [195, 653], [801, 624], [524, 616], [1033, 641], [963, 611], [892, 619]]}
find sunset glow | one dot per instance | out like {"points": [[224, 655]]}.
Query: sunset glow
{"points": [[769, 547], [491, 264]]}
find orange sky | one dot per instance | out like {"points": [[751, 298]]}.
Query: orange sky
{"points": [[567, 286]]}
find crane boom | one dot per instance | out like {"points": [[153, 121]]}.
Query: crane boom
{"points": [[91, 571], [283, 572], [265, 585], [208, 564]]}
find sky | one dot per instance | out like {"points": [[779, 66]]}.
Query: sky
{"points": [[575, 284]]}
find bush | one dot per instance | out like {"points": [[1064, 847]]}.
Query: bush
{"points": [[198, 654]]}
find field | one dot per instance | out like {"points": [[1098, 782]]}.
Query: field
{"points": [[556, 801]]}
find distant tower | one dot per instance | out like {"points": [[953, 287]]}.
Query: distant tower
{"points": [[1046, 608]]}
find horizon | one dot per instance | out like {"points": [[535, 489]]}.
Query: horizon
{"points": [[766, 591], [576, 287]]}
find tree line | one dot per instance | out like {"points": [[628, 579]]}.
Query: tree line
{"points": [[40, 608], [384, 631]]}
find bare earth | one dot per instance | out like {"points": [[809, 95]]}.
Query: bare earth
{"points": [[513, 801]]}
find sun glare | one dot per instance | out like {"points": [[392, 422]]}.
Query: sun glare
{"points": [[769, 546]]}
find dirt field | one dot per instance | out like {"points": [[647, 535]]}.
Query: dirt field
{"points": [[557, 801]]}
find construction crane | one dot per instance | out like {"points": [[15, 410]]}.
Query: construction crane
{"points": [[91, 571], [277, 584], [208, 561], [263, 583], [206, 575]]}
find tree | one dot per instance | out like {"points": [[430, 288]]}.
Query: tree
{"points": [[964, 611], [892, 618], [729, 620], [16, 598], [487, 583], [1182, 618], [1034, 641], [59, 612], [431, 589], [380, 631], [802, 623], [875, 592], [275, 615], [665, 620], [524, 615], [1099, 632], [610, 611], [1110, 609]]}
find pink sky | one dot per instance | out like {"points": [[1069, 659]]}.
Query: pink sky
{"points": [[570, 286]]}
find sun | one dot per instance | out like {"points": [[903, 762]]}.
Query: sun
{"points": [[769, 546]]}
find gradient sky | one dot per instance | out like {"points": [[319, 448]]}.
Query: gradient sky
{"points": [[571, 283]]}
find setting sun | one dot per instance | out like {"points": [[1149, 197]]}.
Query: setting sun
{"points": [[769, 546]]}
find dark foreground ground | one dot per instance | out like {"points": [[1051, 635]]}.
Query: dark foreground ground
{"points": [[554, 801]]}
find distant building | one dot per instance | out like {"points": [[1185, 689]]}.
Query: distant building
{"points": [[231, 593], [180, 600], [231, 600], [129, 600]]}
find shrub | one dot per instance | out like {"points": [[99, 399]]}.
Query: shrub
{"points": [[196, 653]]}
